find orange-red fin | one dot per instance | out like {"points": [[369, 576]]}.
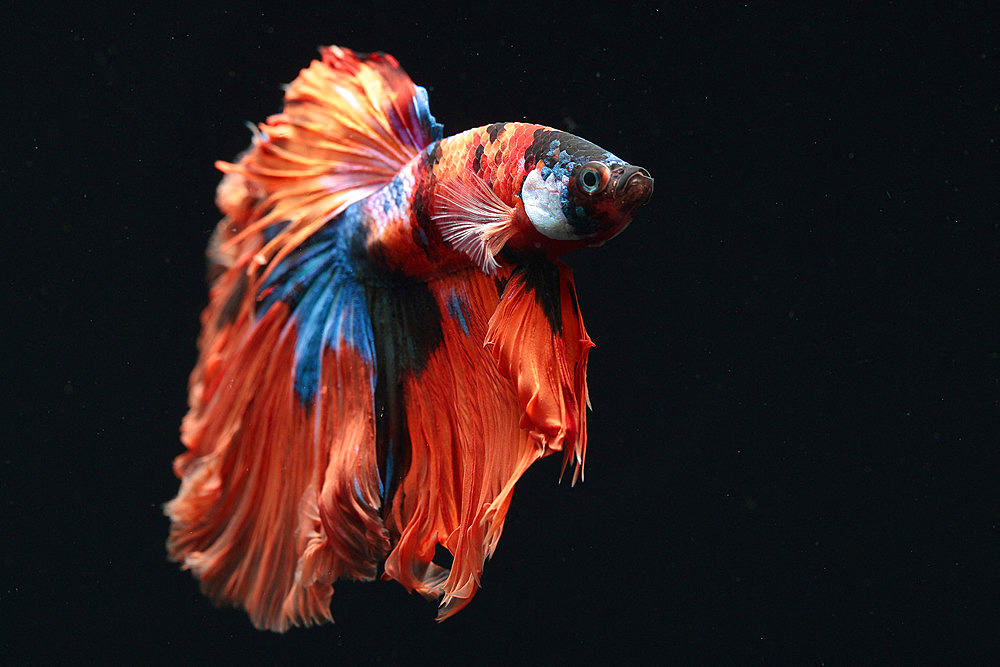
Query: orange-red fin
{"points": [[280, 490], [349, 124], [279, 486], [471, 425], [466, 451], [539, 343], [473, 219]]}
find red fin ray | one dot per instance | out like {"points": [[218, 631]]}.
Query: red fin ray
{"points": [[461, 415], [349, 124], [341, 532], [547, 367], [467, 446], [278, 500], [279, 494], [233, 521]]}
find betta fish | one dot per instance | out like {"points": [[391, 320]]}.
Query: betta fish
{"points": [[390, 342]]}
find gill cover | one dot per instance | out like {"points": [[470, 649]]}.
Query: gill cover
{"points": [[543, 198]]}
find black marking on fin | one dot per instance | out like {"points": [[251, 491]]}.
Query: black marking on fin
{"points": [[232, 306], [541, 276], [392, 434], [422, 227], [433, 152], [406, 327], [406, 322], [500, 284]]}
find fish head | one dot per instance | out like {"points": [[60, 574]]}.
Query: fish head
{"points": [[579, 193]]}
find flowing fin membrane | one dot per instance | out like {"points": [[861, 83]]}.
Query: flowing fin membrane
{"points": [[538, 340], [471, 436], [280, 487], [348, 126]]}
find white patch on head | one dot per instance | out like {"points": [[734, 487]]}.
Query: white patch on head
{"points": [[543, 203]]}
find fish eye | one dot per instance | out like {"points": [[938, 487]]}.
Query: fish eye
{"points": [[593, 177]]}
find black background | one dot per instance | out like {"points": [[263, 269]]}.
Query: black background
{"points": [[793, 448]]}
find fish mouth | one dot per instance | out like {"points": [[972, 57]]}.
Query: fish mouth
{"points": [[630, 188], [634, 187]]}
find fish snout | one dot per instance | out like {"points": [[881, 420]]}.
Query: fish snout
{"points": [[632, 188]]}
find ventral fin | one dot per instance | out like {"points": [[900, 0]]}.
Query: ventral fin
{"points": [[473, 219], [537, 337]]}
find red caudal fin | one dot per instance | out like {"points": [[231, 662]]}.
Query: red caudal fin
{"points": [[280, 492]]}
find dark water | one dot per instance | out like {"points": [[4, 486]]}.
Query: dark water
{"points": [[793, 449]]}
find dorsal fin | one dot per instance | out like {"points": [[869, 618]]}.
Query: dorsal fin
{"points": [[350, 122]]}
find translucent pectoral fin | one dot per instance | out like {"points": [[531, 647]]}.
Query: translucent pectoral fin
{"points": [[473, 219]]}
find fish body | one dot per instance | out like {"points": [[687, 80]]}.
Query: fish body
{"points": [[390, 342]]}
